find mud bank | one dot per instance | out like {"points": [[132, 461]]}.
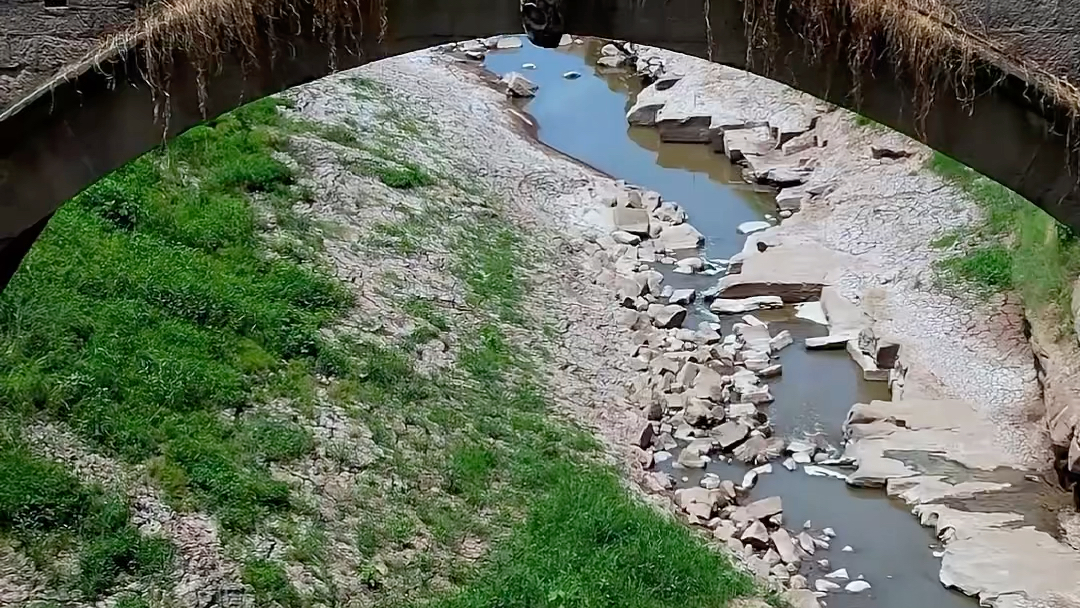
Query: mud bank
{"points": [[962, 441]]}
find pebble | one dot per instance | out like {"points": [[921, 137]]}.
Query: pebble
{"points": [[847, 549], [840, 574], [528, 66], [825, 586], [571, 75], [857, 587]]}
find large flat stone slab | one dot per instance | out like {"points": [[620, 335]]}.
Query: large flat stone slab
{"points": [[794, 273]]}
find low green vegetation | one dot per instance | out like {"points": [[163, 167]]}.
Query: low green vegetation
{"points": [[45, 508], [1015, 246]]}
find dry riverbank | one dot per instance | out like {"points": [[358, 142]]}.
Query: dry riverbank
{"points": [[968, 395]]}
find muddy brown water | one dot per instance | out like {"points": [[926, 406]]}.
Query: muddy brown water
{"points": [[585, 119]]}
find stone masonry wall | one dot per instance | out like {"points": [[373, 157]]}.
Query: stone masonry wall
{"points": [[38, 37]]}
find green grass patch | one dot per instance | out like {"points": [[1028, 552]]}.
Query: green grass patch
{"points": [[43, 506], [586, 543], [1015, 246], [149, 308], [271, 585], [489, 260]]}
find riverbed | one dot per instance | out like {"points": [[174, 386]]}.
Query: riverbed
{"points": [[585, 118]]}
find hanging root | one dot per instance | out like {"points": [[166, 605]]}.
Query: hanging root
{"points": [[204, 32], [923, 39]]}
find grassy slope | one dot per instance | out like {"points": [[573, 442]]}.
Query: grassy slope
{"points": [[1016, 246], [154, 315]]}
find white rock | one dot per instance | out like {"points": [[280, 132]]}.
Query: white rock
{"points": [[781, 341], [519, 86], [566, 40], [682, 296], [829, 532], [857, 587], [747, 228], [683, 236], [763, 469], [625, 238], [811, 311], [825, 586], [739, 306], [785, 214], [749, 480], [840, 574], [571, 75], [847, 549], [816, 471], [790, 464], [696, 264], [508, 42], [528, 66]]}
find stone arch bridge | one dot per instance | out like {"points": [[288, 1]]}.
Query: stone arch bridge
{"points": [[86, 85]]}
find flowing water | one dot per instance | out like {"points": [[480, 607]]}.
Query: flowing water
{"points": [[585, 119]]}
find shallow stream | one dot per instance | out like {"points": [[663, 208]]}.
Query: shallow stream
{"points": [[585, 118]]}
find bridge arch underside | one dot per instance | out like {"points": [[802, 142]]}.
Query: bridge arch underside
{"points": [[68, 135]]}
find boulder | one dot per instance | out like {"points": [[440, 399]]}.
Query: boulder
{"points": [[730, 434], [698, 502], [680, 237], [760, 510], [692, 460], [724, 531], [840, 575], [785, 546], [625, 238], [666, 316], [644, 114], [634, 221], [684, 128], [743, 305], [753, 451], [519, 86], [802, 598], [658, 482], [806, 542], [756, 535], [706, 334], [698, 413], [670, 212], [566, 40], [473, 46], [791, 199], [644, 438], [508, 42], [611, 62], [695, 264], [830, 342], [780, 341], [738, 143], [857, 587]]}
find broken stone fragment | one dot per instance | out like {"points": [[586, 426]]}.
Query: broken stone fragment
{"points": [[744, 305], [644, 438], [730, 434], [785, 546], [781, 341], [671, 315], [682, 296], [634, 221], [680, 237], [756, 535], [519, 86]]}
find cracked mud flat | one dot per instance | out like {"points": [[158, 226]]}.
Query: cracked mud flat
{"points": [[970, 397]]}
